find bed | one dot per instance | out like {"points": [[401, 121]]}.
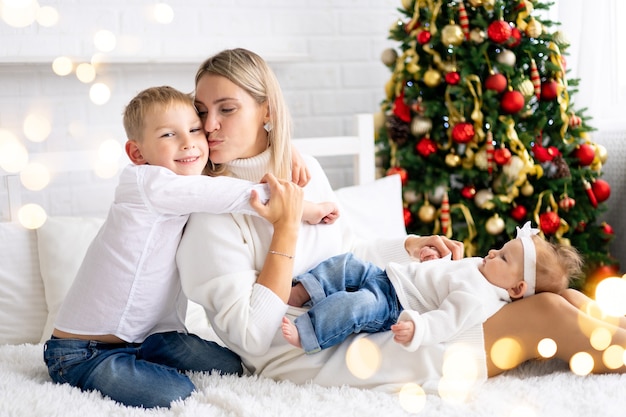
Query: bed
{"points": [[36, 270]]}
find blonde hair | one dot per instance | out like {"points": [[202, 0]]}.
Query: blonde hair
{"points": [[250, 72], [557, 265], [145, 102]]}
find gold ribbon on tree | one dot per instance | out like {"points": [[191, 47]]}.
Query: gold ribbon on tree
{"points": [[562, 94], [477, 114]]}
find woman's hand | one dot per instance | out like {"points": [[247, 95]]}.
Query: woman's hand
{"points": [[285, 204], [299, 171], [413, 244]]}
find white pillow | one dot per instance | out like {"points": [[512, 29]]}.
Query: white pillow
{"points": [[374, 210], [62, 243], [23, 307]]}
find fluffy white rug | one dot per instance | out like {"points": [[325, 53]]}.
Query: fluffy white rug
{"points": [[534, 389]]}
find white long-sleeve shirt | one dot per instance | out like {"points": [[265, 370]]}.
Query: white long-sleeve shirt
{"points": [[219, 259], [444, 298], [128, 284]]}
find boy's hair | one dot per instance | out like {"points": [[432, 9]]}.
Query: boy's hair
{"points": [[140, 107], [249, 71], [557, 265]]}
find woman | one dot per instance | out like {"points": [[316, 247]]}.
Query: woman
{"points": [[231, 265]]}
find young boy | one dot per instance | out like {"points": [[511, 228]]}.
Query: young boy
{"points": [[440, 298], [121, 327]]}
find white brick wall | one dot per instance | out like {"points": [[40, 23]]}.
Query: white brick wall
{"points": [[326, 54]]}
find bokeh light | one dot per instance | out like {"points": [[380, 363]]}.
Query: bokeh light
{"points": [[47, 16], [363, 358], [37, 127], [99, 93], [163, 13], [506, 353], [85, 73], [581, 363], [104, 40], [412, 398], [110, 151], [19, 13], [610, 296], [600, 338], [13, 155], [62, 66], [459, 373], [77, 129], [35, 176], [614, 357], [105, 169], [546, 348], [31, 216]]}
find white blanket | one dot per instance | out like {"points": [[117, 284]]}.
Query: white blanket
{"points": [[533, 390]]}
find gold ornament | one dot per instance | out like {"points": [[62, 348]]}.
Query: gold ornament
{"points": [[453, 160], [412, 67], [483, 198], [420, 126], [427, 212], [477, 35], [506, 57], [527, 88], [601, 153], [390, 89], [407, 4], [596, 165], [476, 3], [468, 161], [410, 196], [527, 189], [494, 225], [452, 34], [432, 77], [389, 56], [534, 29], [561, 38]]}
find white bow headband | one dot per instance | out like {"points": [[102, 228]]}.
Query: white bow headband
{"points": [[530, 256]]}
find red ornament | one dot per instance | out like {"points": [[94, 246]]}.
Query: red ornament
{"points": [[502, 155], [404, 176], [548, 90], [519, 213], [453, 78], [496, 82], [534, 77], [401, 110], [566, 202], [515, 39], [468, 192], [607, 230], [463, 132], [549, 222], [499, 31], [423, 37], [426, 147], [512, 101], [585, 154], [408, 217], [601, 189], [445, 213]]}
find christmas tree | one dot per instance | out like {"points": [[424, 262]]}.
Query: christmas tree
{"points": [[479, 122]]}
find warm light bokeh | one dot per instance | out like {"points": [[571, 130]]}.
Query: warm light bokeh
{"points": [[62, 66], [13, 155], [600, 338], [35, 176], [32, 216], [99, 93], [105, 40], [412, 398], [85, 73], [546, 348], [47, 16], [19, 13], [37, 127], [581, 363], [506, 353], [614, 357], [163, 13], [610, 296], [363, 358]]}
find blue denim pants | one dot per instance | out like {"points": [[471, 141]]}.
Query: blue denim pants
{"points": [[348, 296], [148, 374]]}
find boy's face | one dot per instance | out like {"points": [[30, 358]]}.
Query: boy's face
{"points": [[173, 138], [504, 268]]}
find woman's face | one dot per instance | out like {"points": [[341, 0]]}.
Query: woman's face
{"points": [[231, 118]]}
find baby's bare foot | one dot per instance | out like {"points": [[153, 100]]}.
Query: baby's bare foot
{"points": [[290, 332]]}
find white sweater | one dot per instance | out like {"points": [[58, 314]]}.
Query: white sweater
{"points": [[219, 259], [444, 298], [128, 283]]}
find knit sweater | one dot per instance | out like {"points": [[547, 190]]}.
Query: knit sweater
{"points": [[219, 259]]}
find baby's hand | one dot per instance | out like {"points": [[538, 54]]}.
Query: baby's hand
{"points": [[428, 253], [316, 213], [403, 332]]}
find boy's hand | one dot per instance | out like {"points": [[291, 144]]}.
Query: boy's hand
{"points": [[299, 171], [403, 331], [316, 213]]}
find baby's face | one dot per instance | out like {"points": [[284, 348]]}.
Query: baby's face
{"points": [[504, 267], [173, 138]]}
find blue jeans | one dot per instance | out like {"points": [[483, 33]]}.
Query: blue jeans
{"points": [[148, 374], [347, 296]]}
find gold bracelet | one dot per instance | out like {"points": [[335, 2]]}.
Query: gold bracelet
{"points": [[273, 252]]}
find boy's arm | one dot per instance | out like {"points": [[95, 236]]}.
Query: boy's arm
{"points": [[315, 213]]}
